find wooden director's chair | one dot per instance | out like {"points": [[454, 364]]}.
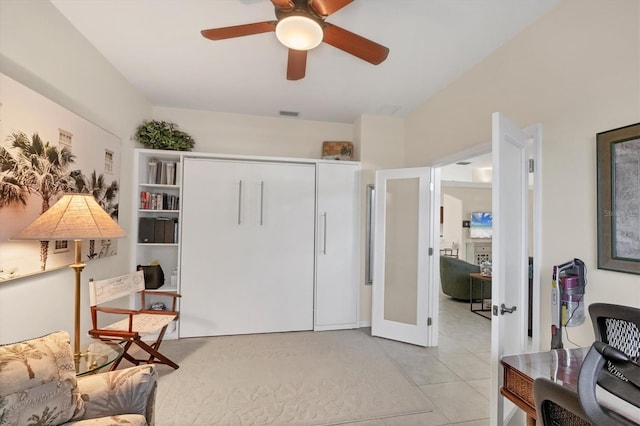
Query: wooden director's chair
{"points": [[138, 323]]}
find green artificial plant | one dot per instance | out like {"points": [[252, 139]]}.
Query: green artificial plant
{"points": [[158, 134]]}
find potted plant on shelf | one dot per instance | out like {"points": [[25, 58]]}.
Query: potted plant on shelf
{"points": [[158, 134]]}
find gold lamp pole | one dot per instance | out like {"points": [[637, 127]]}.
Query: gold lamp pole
{"points": [[74, 217], [77, 267]]}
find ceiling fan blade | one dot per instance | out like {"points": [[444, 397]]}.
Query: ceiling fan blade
{"points": [[327, 7], [239, 30], [297, 64], [354, 44], [283, 4]]}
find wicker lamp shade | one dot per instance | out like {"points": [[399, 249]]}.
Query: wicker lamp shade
{"points": [[73, 217]]}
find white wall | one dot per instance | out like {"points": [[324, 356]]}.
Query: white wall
{"points": [[452, 234], [380, 142], [576, 71], [226, 133], [40, 49]]}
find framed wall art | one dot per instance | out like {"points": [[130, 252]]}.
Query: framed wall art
{"points": [[46, 151], [336, 150], [618, 169]]}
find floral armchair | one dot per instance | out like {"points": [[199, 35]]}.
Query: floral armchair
{"points": [[39, 387]]}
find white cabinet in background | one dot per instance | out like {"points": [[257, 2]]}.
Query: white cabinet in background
{"points": [[478, 252], [247, 247], [338, 246]]}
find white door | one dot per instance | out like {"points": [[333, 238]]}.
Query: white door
{"points": [[338, 246], [402, 264], [247, 246], [511, 149]]}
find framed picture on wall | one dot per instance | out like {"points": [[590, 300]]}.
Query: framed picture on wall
{"points": [[46, 151], [618, 169], [335, 150]]}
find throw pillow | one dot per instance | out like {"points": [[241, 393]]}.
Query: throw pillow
{"points": [[38, 379]]}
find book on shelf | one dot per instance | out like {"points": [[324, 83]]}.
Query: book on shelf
{"points": [[152, 171], [146, 230], [158, 201], [159, 229], [163, 230], [162, 172], [144, 200], [170, 172]]}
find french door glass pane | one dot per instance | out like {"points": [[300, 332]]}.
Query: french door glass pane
{"points": [[401, 250]]}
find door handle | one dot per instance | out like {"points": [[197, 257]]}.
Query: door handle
{"points": [[240, 203], [504, 309], [324, 244], [261, 203]]}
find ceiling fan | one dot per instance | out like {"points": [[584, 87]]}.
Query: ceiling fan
{"points": [[301, 26]]}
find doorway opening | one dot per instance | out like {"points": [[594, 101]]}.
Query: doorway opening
{"points": [[465, 188], [512, 241]]}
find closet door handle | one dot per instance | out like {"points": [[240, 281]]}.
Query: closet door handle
{"points": [[261, 203], [324, 231], [240, 202]]}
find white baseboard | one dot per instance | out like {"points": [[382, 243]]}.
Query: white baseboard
{"points": [[335, 327]]}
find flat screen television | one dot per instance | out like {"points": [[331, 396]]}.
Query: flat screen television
{"points": [[481, 223]]}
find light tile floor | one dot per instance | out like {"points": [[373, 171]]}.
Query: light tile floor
{"points": [[454, 376]]}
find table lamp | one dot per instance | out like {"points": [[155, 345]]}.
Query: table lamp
{"points": [[74, 217]]}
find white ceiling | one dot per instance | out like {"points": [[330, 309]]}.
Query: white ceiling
{"points": [[476, 170], [157, 46]]}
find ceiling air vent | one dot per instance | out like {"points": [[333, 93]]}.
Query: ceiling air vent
{"points": [[463, 163], [289, 113]]}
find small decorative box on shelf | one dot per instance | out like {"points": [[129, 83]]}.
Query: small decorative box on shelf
{"points": [[336, 150]]}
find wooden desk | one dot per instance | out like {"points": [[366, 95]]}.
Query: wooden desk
{"points": [[482, 279], [519, 371]]}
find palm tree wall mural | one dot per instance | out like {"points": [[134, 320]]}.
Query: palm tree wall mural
{"points": [[105, 195], [45, 151], [38, 168]]}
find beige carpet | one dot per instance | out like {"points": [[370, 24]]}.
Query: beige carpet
{"points": [[302, 378]]}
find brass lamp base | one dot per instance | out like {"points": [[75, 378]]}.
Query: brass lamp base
{"points": [[77, 267]]}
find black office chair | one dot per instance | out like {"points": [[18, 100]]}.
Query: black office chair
{"points": [[610, 364], [557, 405], [617, 326], [624, 406]]}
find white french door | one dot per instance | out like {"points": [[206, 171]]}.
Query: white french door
{"points": [[512, 148], [402, 264]]}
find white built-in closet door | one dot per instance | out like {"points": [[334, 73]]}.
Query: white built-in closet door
{"points": [[247, 247], [338, 246]]}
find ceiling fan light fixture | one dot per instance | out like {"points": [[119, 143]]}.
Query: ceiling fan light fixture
{"points": [[299, 32]]}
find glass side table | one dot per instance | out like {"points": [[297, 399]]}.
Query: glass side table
{"points": [[97, 355]]}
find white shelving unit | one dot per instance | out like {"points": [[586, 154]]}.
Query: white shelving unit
{"points": [[167, 252]]}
